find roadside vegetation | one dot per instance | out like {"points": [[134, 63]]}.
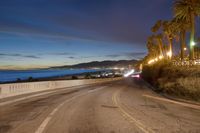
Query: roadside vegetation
{"points": [[175, 71], [181, 82]]}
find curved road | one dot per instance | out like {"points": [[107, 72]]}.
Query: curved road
{"points": [[124, 106]]}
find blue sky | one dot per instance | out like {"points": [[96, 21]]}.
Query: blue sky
{"points": [[42, 33]]}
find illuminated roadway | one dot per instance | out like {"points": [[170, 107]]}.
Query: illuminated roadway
{"points": [[125, 106]]}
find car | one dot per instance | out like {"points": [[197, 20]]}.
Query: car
{"points": [[136, 75]]}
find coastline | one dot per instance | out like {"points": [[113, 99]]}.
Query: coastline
{"points": [[85, 75]]}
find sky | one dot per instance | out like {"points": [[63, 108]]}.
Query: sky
{"points": [[43, 33]]}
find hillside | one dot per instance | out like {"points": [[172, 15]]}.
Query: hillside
{"points": [[99, 64]]}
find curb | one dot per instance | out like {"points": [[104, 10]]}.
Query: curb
{"points": [[180, 100], [171, 97]]}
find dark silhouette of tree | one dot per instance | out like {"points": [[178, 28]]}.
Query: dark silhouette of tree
{"points": [[187, 10]]}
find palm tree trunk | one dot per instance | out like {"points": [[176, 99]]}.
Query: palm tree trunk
{"points": [[170, 45], [160, 46], [192, 17], [182, 34], [170, 48]]}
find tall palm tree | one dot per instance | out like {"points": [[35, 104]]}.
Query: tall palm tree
{"points": [[181, 27], [188, 10], [198, 51], [158, 37], [157, 26], [153, 49], [169, 31]]}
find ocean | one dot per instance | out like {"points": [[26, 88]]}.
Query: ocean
{"points": [[13, 75]]}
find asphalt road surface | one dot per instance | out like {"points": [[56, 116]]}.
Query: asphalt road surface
{"points": [[124, 106]]}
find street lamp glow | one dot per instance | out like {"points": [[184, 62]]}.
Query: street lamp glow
{"points": [[160, 57], [193, 43], [169, 54], [185, 49], [151, 61]]}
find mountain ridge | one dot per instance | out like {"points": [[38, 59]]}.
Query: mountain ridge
{"points": [[98, 64]]}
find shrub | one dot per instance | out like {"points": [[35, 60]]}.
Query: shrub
{"points": [[181, 81]]}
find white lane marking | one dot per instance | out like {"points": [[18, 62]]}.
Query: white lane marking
{"points": [[36, 95], [128, 116], [49, 117], [174, 102]]}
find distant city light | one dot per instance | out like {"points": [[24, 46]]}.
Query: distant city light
{"points": [[122, 68]]}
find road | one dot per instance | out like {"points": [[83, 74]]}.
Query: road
{"points": [[124, 106]]}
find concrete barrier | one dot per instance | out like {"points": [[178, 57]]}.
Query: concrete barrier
{"points": [[14, 89]]}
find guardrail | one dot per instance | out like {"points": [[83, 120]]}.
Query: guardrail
{"points": [[8, 90], [186, 62]]}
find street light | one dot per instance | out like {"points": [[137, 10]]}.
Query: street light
{"points": [[160, 57], [169, 54], [151, 61], [193, 43], [185, 49]]}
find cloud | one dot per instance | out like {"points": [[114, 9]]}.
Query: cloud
{"points": [[127, 54], [61, 53], [114, 55], [135, 54], [104, 20], [71, 57], [19, 55], [31, 56]]}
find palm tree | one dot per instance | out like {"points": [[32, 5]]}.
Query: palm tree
{"points": [[169, 31], [157, 26], [198, 51], [198, 40], [188, 10], [153, 49], [158, 37], [181, 26]]}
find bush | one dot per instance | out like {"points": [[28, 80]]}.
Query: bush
{"points": [[179, 81], [151, 73]]}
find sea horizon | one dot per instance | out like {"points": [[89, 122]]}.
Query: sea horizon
{"points": [[14, 75]]}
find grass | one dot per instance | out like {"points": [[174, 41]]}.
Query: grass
{"points": [[182, 81]]}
